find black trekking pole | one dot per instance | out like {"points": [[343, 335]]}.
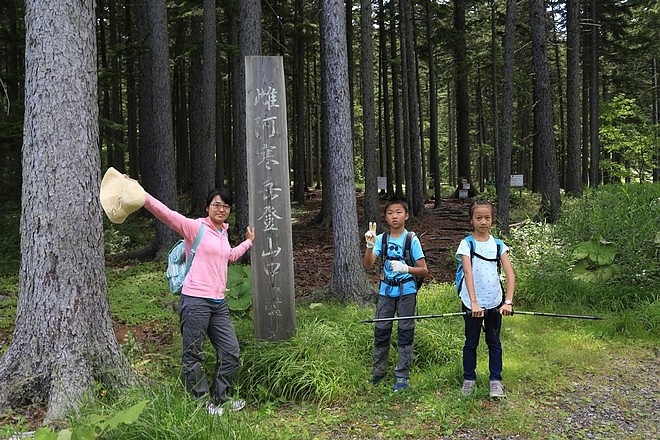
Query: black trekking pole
{"points": [[554, 315], [399, 318], [515, 312]]}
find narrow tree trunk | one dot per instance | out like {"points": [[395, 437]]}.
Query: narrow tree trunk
{"points": [[504, 156], [249, 39], [594, 107], [156, 135], [573, 156], [434, 161], [550, 197], [463, 162], [371, 206]]}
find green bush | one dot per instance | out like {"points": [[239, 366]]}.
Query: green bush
{"points": [[603, 252]]}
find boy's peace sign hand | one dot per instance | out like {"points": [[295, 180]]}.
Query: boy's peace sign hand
{"points": [[370, 235]]}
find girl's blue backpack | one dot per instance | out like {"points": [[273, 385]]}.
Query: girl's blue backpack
{"points": [[460, 276]]}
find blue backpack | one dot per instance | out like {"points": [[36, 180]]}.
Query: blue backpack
{"points": [[460, 275], [407, 257], [178, 264]]}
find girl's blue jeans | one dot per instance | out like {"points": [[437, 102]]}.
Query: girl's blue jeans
{"points": [[491, 323]]}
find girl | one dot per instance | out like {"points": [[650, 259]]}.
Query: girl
{"points": [[482, 295]]}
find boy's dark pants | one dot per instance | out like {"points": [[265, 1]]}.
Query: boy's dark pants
{"points": [[492, 323], [403, 306]]}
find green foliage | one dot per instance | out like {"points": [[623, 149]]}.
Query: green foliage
{"points": [[94, 426], [594, 261], [139, 294], [239, 287], [627, 133], [607, 236]]}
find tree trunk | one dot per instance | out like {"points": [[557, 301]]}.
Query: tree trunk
{"points": [[573, 156], [348, 281], [399, 165], [504, 155], [371, 206], [299, 184], [550, 197], [594, 108], [203, 154], [195, 110], [249, 43], [63, 341], [463, 163], [416, 191], [434, 160], [156, 135], [385, 119]]}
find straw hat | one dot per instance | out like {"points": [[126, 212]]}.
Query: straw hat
{"points": [[120, 195]]}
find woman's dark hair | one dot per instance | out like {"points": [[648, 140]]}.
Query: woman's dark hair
{"points": [[396, 202], [224, 194]]}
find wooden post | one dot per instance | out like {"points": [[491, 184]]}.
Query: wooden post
{"points": [[273, 289]]}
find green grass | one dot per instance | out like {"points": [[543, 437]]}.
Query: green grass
{"points": [[316, 385]]}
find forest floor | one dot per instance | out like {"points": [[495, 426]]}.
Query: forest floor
{"points": [[440, 231]]}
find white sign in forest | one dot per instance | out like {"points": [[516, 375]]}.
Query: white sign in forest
{"points": [[273, 289]]}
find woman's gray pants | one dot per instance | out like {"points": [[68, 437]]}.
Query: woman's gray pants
{"points": [[200, 317]]}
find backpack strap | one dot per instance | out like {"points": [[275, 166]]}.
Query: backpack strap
{"points": [[193, 249], [407, 254], [406, 251]]}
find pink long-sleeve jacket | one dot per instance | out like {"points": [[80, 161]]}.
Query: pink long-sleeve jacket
{"points": [[207, 277]]}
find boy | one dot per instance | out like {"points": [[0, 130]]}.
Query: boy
{"points": [[397, 291]]}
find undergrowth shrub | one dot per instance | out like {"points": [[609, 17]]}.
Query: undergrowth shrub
{"points": [[623, 217]]}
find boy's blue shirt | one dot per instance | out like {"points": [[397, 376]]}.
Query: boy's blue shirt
{"points": [[395, 248]]}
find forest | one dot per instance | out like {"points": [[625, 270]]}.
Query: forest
{"points": [[409, 99]]}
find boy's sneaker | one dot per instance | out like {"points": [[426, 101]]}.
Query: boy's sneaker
{"points": [[496, 389], [400, 384], [234, 405], [214, 410], [468, 387], [376, 378]]}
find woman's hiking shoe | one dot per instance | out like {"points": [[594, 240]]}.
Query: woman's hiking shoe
{"points": [[376, 378], [496, 389], [468, 387], [400, 384]]}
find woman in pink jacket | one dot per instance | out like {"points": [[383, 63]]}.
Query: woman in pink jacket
{"points": [[203, 310]]}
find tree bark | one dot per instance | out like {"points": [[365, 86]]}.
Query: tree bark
{"points": [[156, 134], [434, 160], [63, 340], [203, 175], [463, 164], [348, 281], [416, 191], [503, 183], [594, 105], [550, 197], [573, 156], [371, 206], [249, 43]]}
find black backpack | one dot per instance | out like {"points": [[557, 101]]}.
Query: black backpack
{"points": [[407, 257]]}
